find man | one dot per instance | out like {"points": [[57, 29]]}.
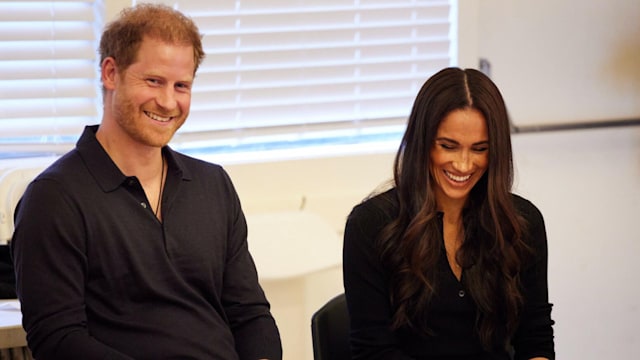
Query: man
{"points": [[126, 249]]}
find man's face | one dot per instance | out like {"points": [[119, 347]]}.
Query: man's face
{"points": [[153, 96]]}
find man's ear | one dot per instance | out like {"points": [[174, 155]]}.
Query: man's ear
{"points": [[109, 72]]}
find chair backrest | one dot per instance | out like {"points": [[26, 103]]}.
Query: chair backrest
{"points": [[330, 331], [14, 177]]}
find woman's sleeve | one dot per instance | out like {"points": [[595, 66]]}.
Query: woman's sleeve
{"points": [[366, 288], [534, 337]]}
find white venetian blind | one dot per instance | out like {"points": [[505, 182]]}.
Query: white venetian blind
{"points": [[49, 87], [282, 70], [277, 71]]}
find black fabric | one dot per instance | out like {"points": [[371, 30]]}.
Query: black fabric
{"points": [[7, 275], [452, 311], [330, 331], [99, 277]]}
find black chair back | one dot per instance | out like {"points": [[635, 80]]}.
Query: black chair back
{"points": [[330, 331]]}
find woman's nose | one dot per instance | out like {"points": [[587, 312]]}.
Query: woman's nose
{"points": [[463, 162]]}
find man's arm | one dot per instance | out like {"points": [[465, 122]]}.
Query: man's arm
{"points": [[50, 263], [254, 328]]}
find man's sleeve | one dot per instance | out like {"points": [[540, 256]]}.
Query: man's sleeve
{"points": [[254, 328], [50, 263]]}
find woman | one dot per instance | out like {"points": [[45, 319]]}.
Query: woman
{"points": [[448, 264]]}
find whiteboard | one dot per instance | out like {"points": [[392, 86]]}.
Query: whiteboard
{"points": [[562, 61]]}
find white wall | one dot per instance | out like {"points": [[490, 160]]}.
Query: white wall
{"points": [[329, 187], [561, 61], [585, 182]]}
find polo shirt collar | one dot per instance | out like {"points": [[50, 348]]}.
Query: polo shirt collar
{"points": [[105, 171]]}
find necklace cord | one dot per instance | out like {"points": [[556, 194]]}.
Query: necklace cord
{"points": [[160, 190]]}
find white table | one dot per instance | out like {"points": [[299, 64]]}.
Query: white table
{"points": [[11, 332], [298, 256], [292, 244]]}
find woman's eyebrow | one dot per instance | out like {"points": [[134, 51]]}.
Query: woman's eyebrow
{"points": [[442, 138]]}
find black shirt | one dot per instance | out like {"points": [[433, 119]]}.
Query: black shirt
{"points": [[452, 311], [99, 277]]}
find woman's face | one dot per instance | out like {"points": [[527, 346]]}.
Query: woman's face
{"points": [[459, 155]]}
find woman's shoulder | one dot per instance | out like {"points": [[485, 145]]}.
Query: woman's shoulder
{"points": [[375, 211], [535, 226], [527, 209], [381, 204]]}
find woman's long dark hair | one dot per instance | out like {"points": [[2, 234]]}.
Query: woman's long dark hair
{"points": [[491, 255]]}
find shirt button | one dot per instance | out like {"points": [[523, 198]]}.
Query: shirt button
{"points": [[461, 293], [144, 205]]}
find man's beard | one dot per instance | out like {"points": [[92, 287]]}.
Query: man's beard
{"points": [[127, 115]]}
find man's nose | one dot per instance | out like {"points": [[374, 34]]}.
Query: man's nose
{"points": [[167, 99]]}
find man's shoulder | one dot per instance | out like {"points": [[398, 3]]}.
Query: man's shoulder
{"points": [[199, 170], [66, 166], [195, 164]]}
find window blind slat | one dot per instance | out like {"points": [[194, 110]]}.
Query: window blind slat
{"points": [[53, 50], [288, 6], [27, 130], [290, 92], [320, 111], [41, 69], [338, 73], [47, 107], [276, 70], [49, 87], [282, 22], [48, 10], [282, 63], [34, 31], [336, 56]]}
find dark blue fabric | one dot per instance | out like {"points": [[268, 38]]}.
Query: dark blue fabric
{"points": [[452, 312], [100, 277]]}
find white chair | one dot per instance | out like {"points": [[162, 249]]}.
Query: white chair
{"points": [[14, 178]]}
